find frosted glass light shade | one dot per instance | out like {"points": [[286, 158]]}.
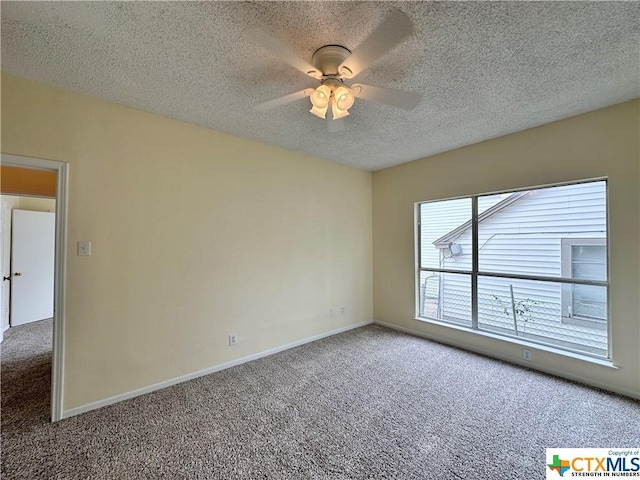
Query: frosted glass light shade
{"points": [[337, 111], [344, 97], [319, 112], [320, 97]]}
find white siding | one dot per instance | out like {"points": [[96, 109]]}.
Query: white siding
{"points": [[438, 218], [525, 236]]}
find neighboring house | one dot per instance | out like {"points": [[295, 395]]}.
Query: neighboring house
{"points": [[552, 232]]}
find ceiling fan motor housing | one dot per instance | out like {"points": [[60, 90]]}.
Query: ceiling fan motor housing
{"points": [[327, 59]]}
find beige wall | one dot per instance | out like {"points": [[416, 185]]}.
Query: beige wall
{"points": [[604, 143], [195, 234], [35, 204], [22, 203]]}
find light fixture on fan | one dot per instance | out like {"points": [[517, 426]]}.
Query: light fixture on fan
{"points": [[335, 92], [333, 64], [320, 100]]}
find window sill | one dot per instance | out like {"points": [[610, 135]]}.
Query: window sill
{"points": [[517, 341]]}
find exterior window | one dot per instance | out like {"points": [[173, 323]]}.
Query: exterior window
{"points": [[584, 259], [529, 264]]}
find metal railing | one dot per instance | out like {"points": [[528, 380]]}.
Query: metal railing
{"points": [[530, 319]]}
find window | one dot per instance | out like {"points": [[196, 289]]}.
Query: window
{"points": [[584, 259], [528, 264]]}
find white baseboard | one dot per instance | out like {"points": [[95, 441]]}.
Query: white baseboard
{"points": [[190, 376], [488, 353]]}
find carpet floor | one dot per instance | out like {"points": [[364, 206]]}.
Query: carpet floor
{"points": [[371, 403]]}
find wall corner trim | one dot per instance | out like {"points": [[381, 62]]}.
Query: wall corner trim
{"points": [[72, 412]]}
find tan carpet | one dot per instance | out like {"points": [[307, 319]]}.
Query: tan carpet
{"points": [[367, 404]]}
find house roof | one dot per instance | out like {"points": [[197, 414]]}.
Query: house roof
{"points": [[485, 69], [446, 240]]}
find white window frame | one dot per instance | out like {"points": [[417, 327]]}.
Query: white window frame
{"points": [[475, 272]]}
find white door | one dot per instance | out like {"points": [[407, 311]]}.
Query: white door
{"points": [[32, 264]]}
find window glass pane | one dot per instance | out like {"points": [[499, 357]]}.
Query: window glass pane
{"points": [[445, 234], [522, 233], [556, 234], [488, 201], [589, 262], [588, 253], [446, 297], [589, 301], [533, 310]]}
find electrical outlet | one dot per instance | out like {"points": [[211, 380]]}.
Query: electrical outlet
{"points": [[233, 340], [343, 310], [526, 354], [332, 312]]}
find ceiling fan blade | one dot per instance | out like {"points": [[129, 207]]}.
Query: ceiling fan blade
{"points": [[276, 102], [393, 30], [388, 96], [269, 42]]}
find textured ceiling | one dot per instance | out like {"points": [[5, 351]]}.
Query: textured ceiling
{"points": [[486, 69]]}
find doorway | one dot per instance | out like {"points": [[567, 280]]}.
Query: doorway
{"points": [[38, 167]]}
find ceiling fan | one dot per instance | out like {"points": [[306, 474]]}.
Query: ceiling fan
{"points": [[331, 65]]}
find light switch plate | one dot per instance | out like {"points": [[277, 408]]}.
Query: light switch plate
{"points": [[84, 248]]}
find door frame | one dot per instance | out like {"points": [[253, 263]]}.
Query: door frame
{"points": [[3, 216], [59, 282]]}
